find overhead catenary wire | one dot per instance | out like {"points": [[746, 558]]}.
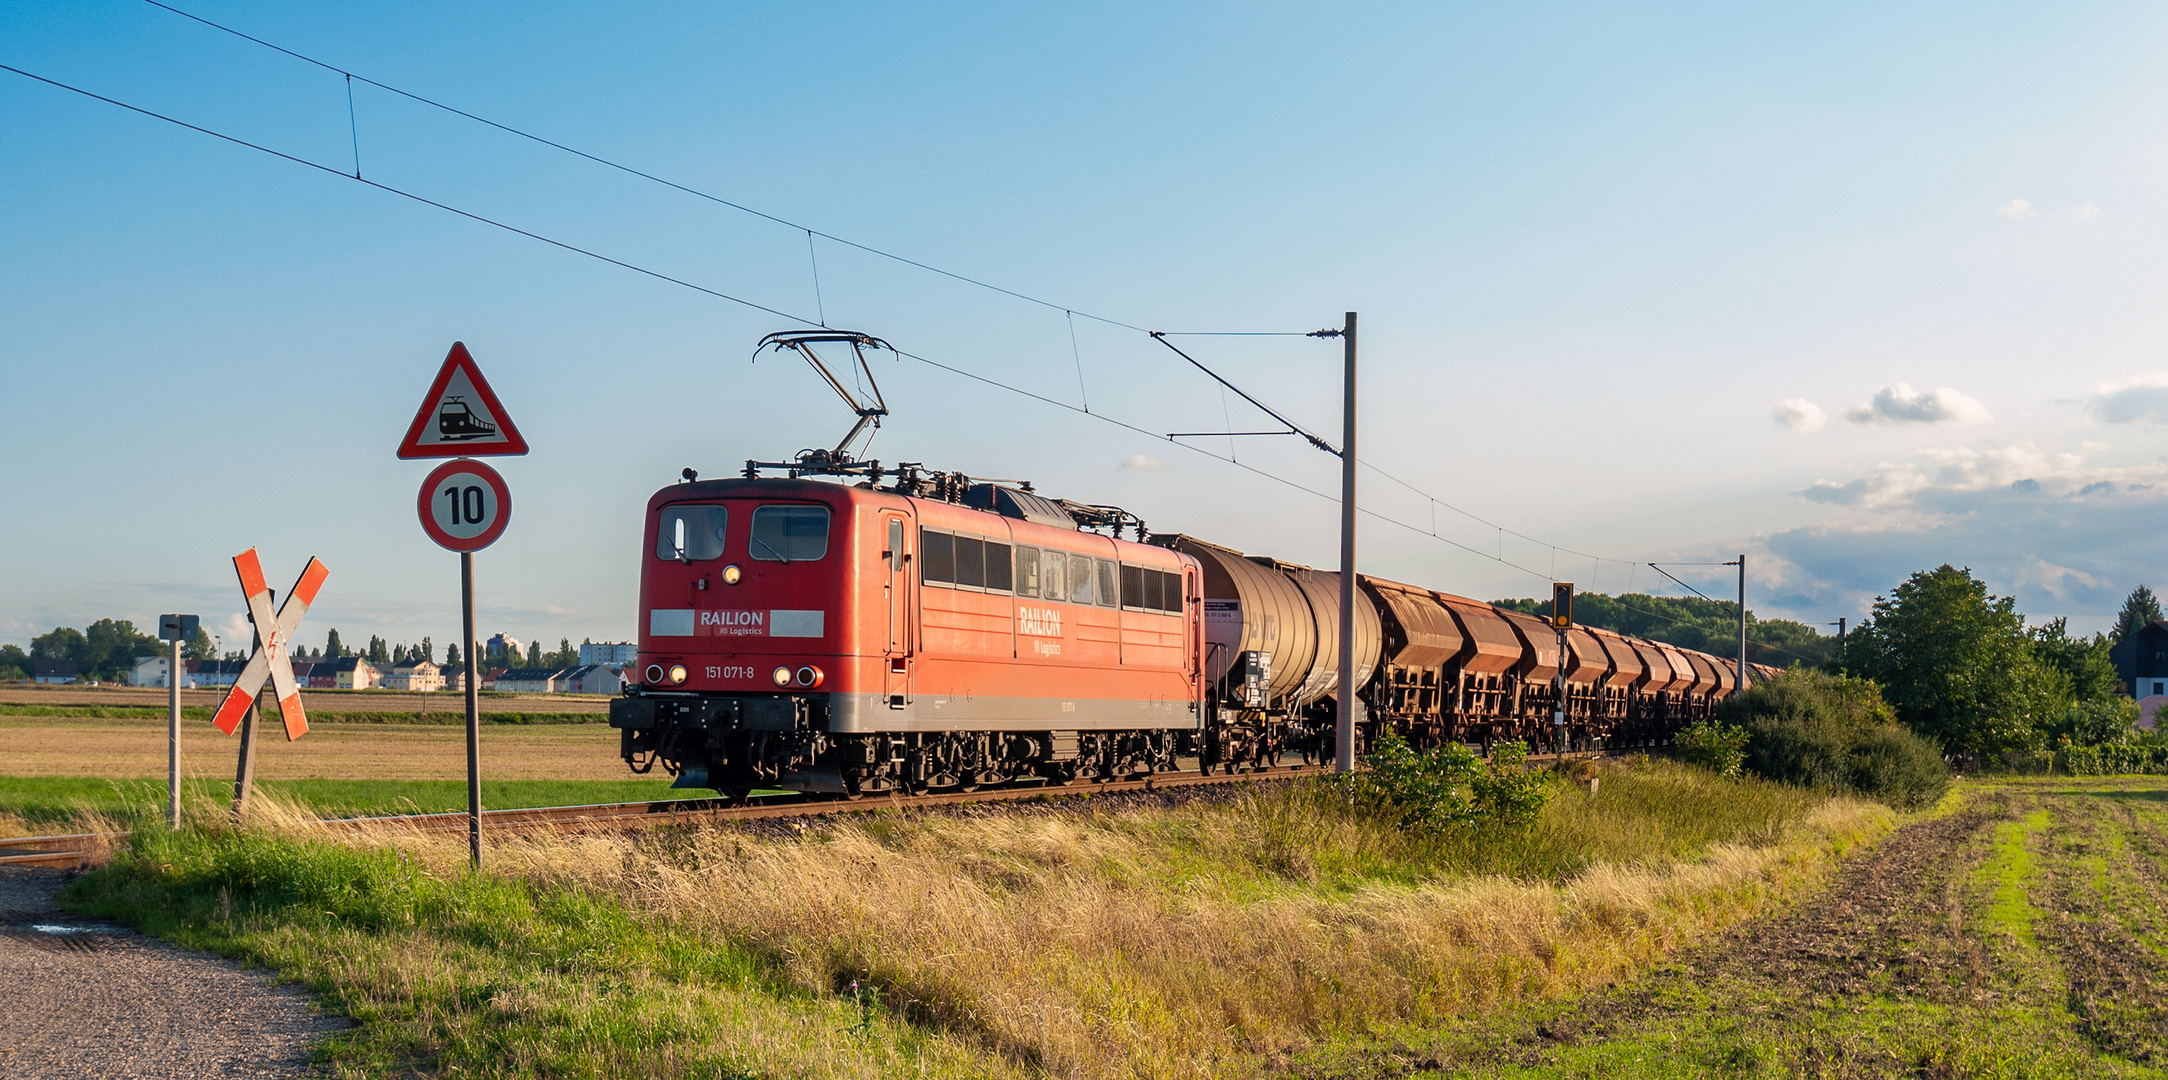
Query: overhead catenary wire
{"points": [[641, 173], [796, 317], [1068, 311]]}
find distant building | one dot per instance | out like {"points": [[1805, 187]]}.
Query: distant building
{"points": [[210, 673], [533, 681], [609, 652], [425, 677], [2141, 661], [54, 671], [151, 671], [345, 673], [594, 679]]}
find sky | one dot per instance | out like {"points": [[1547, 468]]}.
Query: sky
{"points": [[1854, 289]]}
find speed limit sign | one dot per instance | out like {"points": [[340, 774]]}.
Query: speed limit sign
{"points": [[464, 505]]}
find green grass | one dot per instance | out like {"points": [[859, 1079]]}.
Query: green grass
{"points": [[54, 799], [2009, 867], [323, 716]]}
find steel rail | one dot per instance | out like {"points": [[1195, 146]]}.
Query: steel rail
{"points": [[72, 850]]}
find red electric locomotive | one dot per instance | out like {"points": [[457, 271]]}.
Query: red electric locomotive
{"points": [[852, 639]]}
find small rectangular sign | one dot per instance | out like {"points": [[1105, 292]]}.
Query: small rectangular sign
{"points": [[177, 627]]}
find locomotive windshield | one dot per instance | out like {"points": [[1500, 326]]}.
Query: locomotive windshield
{"points": [[691, 533], [789, 534]]}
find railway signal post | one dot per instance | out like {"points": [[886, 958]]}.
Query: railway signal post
{"points": [[174, 629], [464, 506], [1562, 621]]}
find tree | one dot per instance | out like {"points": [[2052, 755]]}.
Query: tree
{"points": [[14, 662], [2084, 661], [1958, 664], [2139, 608], [425, 651], [64, 643], [199, 646], [332, 648], [534, 654], [379, 653], [1710, 626], [451, 656]]}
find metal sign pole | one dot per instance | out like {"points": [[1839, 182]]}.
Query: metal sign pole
{"points": [[1558, 712], [173, 734], [244, 774], [1344, 735], [474, 721]]}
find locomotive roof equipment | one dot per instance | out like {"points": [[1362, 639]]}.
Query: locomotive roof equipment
{"points": [[867, 402]]}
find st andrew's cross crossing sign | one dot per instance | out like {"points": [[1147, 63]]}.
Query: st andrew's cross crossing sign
{"points": [[274, 632], [461, 416]]}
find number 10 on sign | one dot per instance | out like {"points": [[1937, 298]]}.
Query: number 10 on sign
{"points": [[464, 505]]}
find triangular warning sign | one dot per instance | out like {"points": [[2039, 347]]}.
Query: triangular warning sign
{"points": [[461, 416]]}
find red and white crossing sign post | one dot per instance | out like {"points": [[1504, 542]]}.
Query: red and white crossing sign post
{"points": [[464, 506], [270, 661]]}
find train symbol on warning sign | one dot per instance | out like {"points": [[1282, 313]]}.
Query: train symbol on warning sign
{"points": [[456, 420], [461, 417]]}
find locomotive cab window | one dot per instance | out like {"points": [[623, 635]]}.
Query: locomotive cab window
{"points": [[1108, 597], [998, 578], [691, 533], [788, 534]]}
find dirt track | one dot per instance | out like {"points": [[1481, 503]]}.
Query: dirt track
{"points": [[2023, 935], [102, 1001]]}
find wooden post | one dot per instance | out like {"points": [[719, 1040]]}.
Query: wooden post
{"points": [[244, 775]]}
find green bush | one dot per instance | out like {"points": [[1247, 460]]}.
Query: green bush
{"points": [[1834, 733], [1717, 747], [1447, 788]]}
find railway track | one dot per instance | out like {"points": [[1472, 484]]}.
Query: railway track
{"points": [[73, 850]]}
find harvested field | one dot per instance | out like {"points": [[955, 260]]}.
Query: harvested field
{"points": [[316, 701], [127, 749]]}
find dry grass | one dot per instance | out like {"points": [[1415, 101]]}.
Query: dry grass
{"points": [[1198, 940]]}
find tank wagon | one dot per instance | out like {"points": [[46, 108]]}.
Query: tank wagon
{"points": [[943, 634]]}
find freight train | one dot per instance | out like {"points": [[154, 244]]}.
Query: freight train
{"points": [[940, 633]]}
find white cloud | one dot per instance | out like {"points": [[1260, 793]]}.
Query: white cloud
{"points": [[2015, 209], [1801, 415], [2052, 579], [2021, 468], [1143, 463], [2138, 399], [2089, 211], [1900, 404]]}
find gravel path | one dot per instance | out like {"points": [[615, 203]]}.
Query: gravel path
{"points": [[100, 1000]]}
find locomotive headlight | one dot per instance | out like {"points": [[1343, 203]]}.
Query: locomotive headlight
{"points": [[809, 676], [731, 574], [677, 673], [654, 673], [781, 676]]}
